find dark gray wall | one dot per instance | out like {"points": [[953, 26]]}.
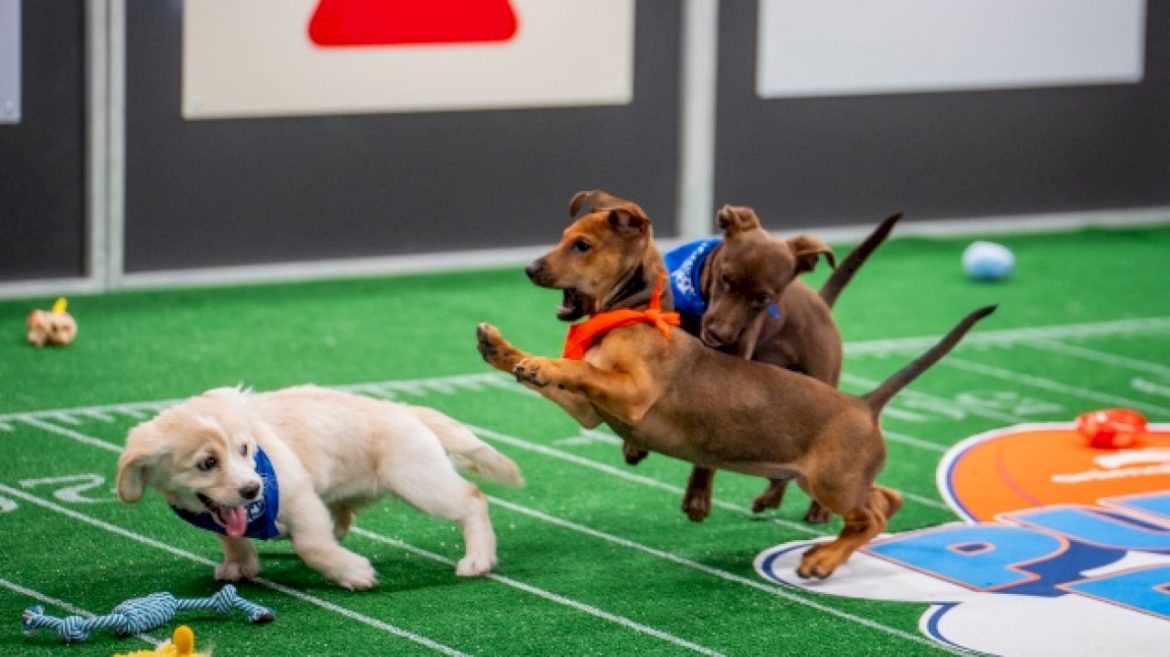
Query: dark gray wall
{"points": [[229, 192], [848, 160], [42, 161]]}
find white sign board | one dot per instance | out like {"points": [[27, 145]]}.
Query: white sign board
{"points": [[252, 58], [9, 61], [854, 47]]}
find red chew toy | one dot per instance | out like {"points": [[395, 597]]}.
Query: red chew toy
{"points": [[1112, 428]]}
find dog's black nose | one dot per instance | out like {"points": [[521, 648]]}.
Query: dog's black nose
{"points": [[534, 269], [250, 491]]}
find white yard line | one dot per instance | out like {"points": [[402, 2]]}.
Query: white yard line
{"points": [[579, 606], [867, 384], [547, 595], [1007, 337], [73, 609], [1085, 353], [1050, 385], [190, 556], [715, 572], [624, 474]]}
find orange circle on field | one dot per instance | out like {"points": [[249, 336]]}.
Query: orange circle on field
{"points": [[1026, 467]]}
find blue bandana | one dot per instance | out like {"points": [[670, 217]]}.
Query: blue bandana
{"points": [[261, 513], [685, 264]]}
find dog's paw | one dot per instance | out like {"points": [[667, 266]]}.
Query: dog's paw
{"points": [[697, 506], [357, 574], [492, 347], [632, 454], [475, 565], [233, 571], [820, 561], [817, 514], [534, 371]]}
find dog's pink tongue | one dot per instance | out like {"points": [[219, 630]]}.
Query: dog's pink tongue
{"points": [[235, 520]]}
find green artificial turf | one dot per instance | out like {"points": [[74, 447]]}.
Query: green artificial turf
{"points": [[595, 557]]}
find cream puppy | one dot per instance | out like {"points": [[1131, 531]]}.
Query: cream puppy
{"points": [[300, 462]]}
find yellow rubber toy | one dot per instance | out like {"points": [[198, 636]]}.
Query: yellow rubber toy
{"points": [[182, 644]]}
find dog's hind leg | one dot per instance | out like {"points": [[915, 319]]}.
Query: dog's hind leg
{"points": [[861, 525], [774, 494], [239, 559], [426, 479]]}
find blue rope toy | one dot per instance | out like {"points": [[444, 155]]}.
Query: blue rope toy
{"points": [[139, 615]]}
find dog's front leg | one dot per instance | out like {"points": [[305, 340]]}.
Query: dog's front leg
{"points": [[497, 352], [310, 524], [626, 395], [239, 559]]}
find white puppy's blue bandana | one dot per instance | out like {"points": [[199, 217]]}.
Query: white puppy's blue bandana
{"points": [[261, 513]]}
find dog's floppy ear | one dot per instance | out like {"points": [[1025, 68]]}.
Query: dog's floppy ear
{"points": [[806, 249], [734, 219], [141, 453]]}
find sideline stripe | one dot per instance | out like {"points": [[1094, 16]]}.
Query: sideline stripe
{"points": [[1008, 337], [715, 572], [73, 609], [1048, 384], [304, 597], [547, 595], [1100, 356]]}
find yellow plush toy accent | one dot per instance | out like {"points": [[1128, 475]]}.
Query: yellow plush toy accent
{"points": [[182, 644]]}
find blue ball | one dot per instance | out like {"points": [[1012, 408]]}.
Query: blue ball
{"points": [[988, 261]]}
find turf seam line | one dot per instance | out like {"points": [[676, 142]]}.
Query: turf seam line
{"points": [[71, 608], [644, 629], [542, 593], [715, 572], [190, 556], [1050, 385], [1085, 353]]}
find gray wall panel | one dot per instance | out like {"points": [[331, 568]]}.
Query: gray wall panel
{"points": [[42, 187], [849, 160], [232, 192]]}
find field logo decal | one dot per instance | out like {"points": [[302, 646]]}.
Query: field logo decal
{"points": [[1063, 548]]}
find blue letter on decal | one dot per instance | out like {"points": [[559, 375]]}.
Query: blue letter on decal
{"points": [[1145, 590], [981, 557], [1090, 525]]}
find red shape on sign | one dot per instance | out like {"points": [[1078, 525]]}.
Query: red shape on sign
{"points": [[395, 22]]}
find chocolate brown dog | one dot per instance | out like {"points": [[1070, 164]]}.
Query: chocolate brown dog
{"points": [[671, 394], [740, 294]]}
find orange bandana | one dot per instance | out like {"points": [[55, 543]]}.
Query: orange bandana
{"points": [[582, 336]]}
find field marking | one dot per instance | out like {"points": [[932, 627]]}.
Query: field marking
{"points": [[548, 595], [190, 556], [1002, 337], [623, 474], [541, 593], [1100, 356], [97, 442], [73, 609], [971, 409], [1050, 385], [715, 572]]}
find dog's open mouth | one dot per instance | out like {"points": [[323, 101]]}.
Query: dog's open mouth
{"points": [[574, 305], [233, 518]]}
